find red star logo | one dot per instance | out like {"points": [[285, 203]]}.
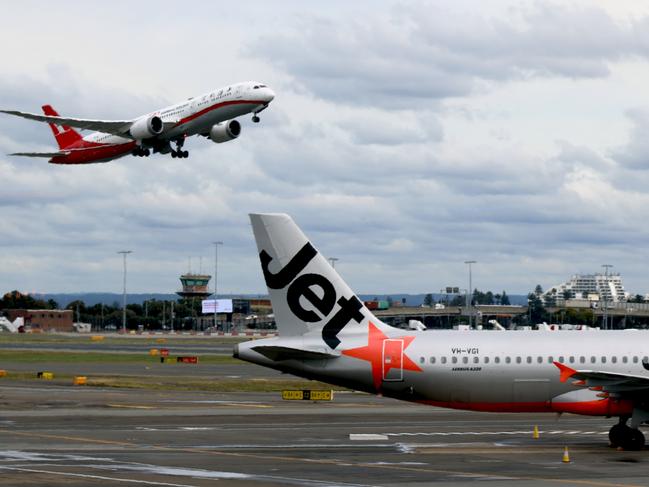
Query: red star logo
{"points": [[383, 355]]}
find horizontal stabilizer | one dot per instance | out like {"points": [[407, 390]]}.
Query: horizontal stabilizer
{"points": [[41, 154], [277, 353]]}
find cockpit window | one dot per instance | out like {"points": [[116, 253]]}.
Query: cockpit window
{"points": [[262, 86], [255, 87]]}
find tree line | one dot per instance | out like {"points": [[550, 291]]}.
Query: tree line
{"points": [[152, 314], [478, 297]]}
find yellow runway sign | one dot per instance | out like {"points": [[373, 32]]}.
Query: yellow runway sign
{"points": [[307, 395]]}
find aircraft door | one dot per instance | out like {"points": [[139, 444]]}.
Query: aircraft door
{"points": [[392, 360]]}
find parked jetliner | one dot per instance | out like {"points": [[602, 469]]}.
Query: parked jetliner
{"points": [[327, 334], [211, 115]]}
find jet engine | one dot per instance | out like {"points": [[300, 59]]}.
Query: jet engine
{"points": [[222, 132], [146, 127]]}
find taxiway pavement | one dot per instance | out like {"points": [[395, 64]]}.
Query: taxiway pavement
{"points": [[56, 435]]}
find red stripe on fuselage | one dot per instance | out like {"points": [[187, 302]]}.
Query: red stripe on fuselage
{"points": [[94, 152], [205, 110], [603, 407]]}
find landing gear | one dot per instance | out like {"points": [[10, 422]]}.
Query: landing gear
{"points": [[179, 153], [140, 152], [255, 119], [626, 437]]}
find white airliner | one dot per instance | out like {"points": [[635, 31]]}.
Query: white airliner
{"points": [[326, 333], [211, 115]]}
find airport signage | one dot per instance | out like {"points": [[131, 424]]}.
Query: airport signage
{"points": [[307, 395], [222, 306]]}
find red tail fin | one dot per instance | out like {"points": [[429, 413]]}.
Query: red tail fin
{"points": [[65, 136]]}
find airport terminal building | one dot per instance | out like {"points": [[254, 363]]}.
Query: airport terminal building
{"points": [[44, 319]]}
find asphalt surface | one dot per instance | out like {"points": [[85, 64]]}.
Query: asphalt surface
{"points": [[54, 435]]}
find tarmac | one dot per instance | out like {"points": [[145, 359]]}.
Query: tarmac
{"points": [[53, 434], [64, 435]]}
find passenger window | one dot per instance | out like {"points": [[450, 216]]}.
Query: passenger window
{"points": [[508, 360], [645, 359], [432, 360], [422, 360], [475, 360], [465, 360], [518, 360], [497, 360], [582, 359], [550, 359], [443, 359], [592, 359], [635, 359], [486, 360], [614, 359], [561, 359], [571, 359], [454, 360], [603, 359], [529, 360], [625, 359], [539, 359]]}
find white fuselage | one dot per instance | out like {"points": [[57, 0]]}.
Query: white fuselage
{"points": [[197, 115], [482, 370]]}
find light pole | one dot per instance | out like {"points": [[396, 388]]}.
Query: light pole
{"points": [[216, 270], [124, 254], [607, 267], [332, 261], [470, 293]]}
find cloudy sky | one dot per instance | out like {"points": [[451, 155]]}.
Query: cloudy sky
{"points": [[405, 138]]}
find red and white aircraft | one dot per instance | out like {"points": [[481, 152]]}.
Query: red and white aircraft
{"points": [[211, 115], [326, 333]]}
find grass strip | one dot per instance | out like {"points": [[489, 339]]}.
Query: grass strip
{"points": [[119, 340], [157, 383], [8, 357]]}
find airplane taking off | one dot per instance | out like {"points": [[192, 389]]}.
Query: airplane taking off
{"points": [[211, 115], [327, 334]]}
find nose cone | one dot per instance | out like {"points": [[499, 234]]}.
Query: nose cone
{"points": [[269, 95]]}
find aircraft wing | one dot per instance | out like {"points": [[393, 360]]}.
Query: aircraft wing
{"points": [[275, 352], [612, 382], [115, 127]]}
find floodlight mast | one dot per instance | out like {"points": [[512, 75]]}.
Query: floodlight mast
{"points": [[124, 254], [216, 269], [608, 289], [469, 295]]}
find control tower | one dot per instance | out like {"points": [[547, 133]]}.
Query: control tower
{"points": [[194, 286]]}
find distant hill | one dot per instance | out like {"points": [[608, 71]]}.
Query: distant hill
{"points": [[111, 298]]}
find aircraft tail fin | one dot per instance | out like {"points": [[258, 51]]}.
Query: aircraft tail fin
{"points": [[65, 136], [307, 294]]}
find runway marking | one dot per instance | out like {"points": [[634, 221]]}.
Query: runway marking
{"points": [[494, 433], [130, 406], [96, 477], [333, 462], [366, 437]]}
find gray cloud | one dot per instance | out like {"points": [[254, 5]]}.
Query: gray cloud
{"points": [[420, 53], [361, 147]]}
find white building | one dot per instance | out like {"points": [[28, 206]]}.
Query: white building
{"points": [[591, 286]]}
